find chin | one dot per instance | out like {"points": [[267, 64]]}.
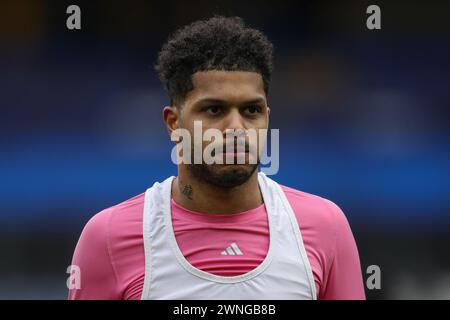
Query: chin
{"points": [[224, 175], [236, 168]]}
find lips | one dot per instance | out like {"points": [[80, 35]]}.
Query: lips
{"points": [[235, 152]]}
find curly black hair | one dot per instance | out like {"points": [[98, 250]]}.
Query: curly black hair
{"points": [[218, 43]]}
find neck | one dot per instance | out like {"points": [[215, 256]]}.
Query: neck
{"points": [[195, 195]]}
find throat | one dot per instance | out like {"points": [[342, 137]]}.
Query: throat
{"points": [[209, 200]]}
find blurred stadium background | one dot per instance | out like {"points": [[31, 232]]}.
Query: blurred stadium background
{"points": [[363, 117]]}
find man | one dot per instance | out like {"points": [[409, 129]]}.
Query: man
{"points": [[218, 231]]}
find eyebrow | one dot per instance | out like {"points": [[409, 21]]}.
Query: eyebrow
{"points": [[225, 102]]}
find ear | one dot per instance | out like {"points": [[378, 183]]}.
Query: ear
{"points": [[171, 116]]}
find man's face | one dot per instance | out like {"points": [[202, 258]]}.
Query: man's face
{"points": [[226, 100]]}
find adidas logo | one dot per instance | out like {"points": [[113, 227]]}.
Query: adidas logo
{"points": [[232, 250]]}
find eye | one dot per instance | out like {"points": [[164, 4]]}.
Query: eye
{"points": [[252, 110], [213, 110]]}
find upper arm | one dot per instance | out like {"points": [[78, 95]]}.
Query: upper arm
{"points": [[343, 279], [92, 256]]}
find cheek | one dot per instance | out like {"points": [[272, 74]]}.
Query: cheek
{"points": [[214, 123], [265, 120]]}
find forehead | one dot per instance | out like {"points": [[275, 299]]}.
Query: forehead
{"points": [[226, 85]]}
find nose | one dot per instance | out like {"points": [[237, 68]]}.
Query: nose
{"points": [[234, 120], [234, 131]]}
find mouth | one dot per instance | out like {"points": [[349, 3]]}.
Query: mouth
{"points": [[234, 153]]}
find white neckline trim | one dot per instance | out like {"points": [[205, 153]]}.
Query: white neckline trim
{"points": [[167, 194]]}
